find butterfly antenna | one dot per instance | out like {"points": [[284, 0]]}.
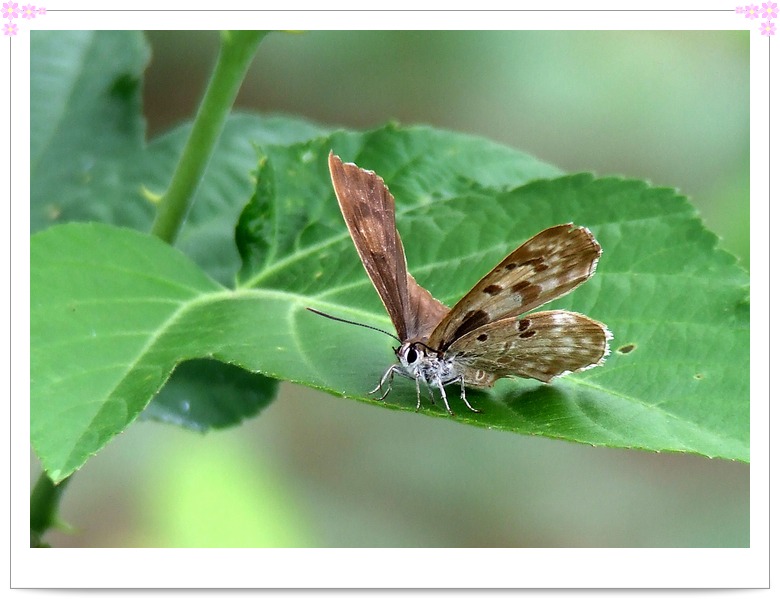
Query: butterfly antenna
{"points": [[360, 324]]}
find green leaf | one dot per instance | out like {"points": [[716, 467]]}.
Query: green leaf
{"points": [[113, 311], [102, 301], [90, 163], [662, 287], [203, 394], [208, 234], [225, 396], [291, 209], [86, 127]]}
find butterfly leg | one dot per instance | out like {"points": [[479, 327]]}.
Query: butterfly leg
{"points": [[463, 396], [430, 394], [444, 396], [387, 375]]}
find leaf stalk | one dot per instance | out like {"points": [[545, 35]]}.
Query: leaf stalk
{"points": [[236, 52]]}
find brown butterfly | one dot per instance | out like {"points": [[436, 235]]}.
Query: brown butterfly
{"points": [[483, 337]]}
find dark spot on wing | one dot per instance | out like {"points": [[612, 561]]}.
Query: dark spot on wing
{"points": [[528, 290], [482, 337], [537, 264], [493, 289], [518, 287], [626, 349], [471, 320], [510, 266], [523, 324], [527, 334], [698, 376]]}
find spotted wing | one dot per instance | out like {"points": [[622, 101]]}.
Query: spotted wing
{"points": [[544, 268], [539, 346], [368, 208]]}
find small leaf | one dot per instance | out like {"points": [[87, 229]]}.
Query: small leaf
{"points": [[203, 394]]}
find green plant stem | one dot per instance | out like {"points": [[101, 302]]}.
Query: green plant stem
{"points": [[236, 53], [44, 505]]}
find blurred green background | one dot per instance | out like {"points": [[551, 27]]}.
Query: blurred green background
{"points": [[314, 470]]}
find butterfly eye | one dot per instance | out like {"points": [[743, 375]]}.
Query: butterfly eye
{"points": [[411, 355]]}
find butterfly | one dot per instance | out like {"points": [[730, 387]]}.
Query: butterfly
{"points": [[486, 335]]}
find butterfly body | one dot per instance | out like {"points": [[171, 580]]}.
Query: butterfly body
{"points": [[421, 363], [486, 335]]}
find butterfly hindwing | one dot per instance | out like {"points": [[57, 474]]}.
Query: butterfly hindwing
{"points": [[541, 346], [545, 267]]}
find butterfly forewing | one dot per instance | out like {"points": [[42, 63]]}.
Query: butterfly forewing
{"points": [[368, 208], [540, 346], [545, 267]]}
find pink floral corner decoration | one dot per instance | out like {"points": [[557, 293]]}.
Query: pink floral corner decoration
{"points": [[767, 11], [9, 10], [12, 11]]}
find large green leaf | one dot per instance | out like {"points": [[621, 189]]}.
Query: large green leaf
{"points": [[662, 286], [114, 311]]}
